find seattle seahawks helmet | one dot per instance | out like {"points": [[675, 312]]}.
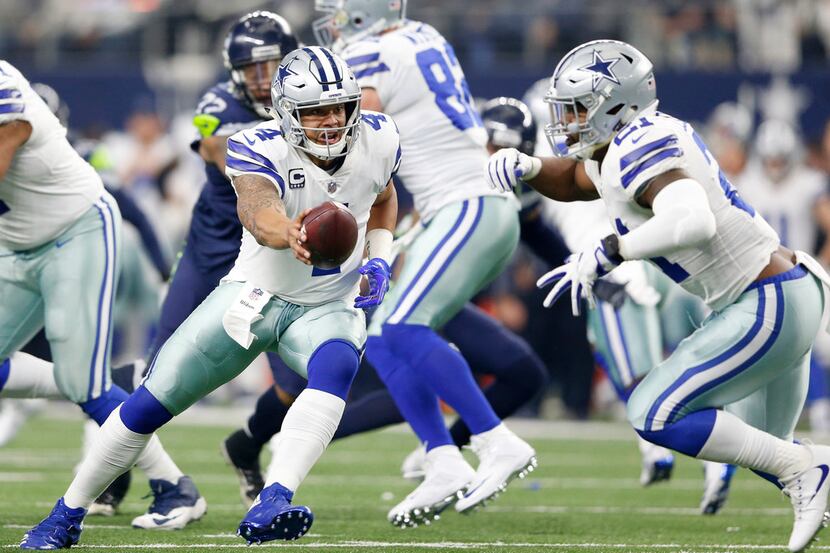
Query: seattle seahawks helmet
{"points": [[312, 77], [778, 146], [509, 124], [256, 44], [347, 21], [595, 91]]}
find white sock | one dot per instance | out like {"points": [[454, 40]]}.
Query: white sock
{"points": [[157, 464], [734, 441], [306, 432], [115, 450], [30, 377]]}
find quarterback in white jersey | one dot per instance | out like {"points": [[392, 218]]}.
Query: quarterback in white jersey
{"points": [[731, 392], [408, 70], [318, 148]]}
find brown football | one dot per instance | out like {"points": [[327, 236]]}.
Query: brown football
{"points": [[331, 234]]}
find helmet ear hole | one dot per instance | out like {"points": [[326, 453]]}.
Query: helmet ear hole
{"points": [[615, 110]]}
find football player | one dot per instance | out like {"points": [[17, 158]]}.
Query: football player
{"points": [[668, 202], [630, 331], [408, 70], [59, 264], [319, 147]]}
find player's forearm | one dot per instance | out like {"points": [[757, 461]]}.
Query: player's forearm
{"points": [[381, 225], [682, 219], [557, 180], [261, 211]]}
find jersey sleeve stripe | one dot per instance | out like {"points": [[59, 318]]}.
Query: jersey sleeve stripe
{"points": [[371, 71], [642, 151], [16, 107], [629, 177], [9, 93], [364, 59], [247, 167], [242, 150]]}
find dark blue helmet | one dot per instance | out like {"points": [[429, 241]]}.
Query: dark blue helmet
{"points": [[253, 49], [509, 124]]}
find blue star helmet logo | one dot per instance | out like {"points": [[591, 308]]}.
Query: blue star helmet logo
{"points": [[283, 73], [601, 69]]}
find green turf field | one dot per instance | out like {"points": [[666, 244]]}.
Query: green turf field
{"points": [[584, 497]]}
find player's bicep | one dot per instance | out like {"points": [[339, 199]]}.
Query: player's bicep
{"points": [[213, 150], [255, 193], [12, 135], [370, 100], [649, 191]]}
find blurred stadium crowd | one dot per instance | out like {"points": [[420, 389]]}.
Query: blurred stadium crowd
{"points": [[167, 52]]}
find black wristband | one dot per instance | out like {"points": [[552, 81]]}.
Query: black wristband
{"points": [[611, 245]]}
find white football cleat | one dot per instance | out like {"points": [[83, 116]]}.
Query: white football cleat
{"points": [[174, 505], [502, 457], [446, 475], [13, 415], [808, 492], [412, 467], [716, 480], [657, 463]]}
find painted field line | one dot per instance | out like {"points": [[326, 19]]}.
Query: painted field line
{"points": [[452, 545]]}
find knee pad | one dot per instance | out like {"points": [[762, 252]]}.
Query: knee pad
{"points": [[99, 409], [332, 367], [143, 413]]}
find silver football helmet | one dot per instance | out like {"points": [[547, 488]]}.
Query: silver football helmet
{"points": [[347, 21], [311, 77], [779, 147], [596, 89]]}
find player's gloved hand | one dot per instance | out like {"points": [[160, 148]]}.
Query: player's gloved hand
{"points": [[508, 166], [378, 274], [579, 273]]}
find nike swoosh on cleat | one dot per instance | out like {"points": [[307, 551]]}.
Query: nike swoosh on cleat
{"points": [[470, 492], [160, 521], [824, 470]]}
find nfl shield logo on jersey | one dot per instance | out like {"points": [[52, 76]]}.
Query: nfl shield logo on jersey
{"points": [[255, 294]]}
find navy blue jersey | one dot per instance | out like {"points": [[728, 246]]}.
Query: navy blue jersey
{"points": [[215, 230]]}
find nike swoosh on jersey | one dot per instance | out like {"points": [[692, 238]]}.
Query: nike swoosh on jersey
{"points": [[250, 142], [635, 140], [62, 243]]}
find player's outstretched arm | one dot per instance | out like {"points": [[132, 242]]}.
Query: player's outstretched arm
{"points": [[12, 135], [262, 212], [561, 179]]}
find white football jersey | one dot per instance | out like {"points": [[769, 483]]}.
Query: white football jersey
{"points": [[717, 272], [363, 174], [420, 83], [48, 185], [787, 205]]}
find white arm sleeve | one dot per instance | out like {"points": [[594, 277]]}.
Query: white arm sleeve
{"points": [[682, 219]]}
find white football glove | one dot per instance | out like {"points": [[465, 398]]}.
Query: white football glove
{"points": [[579, 273], [508, 166]]}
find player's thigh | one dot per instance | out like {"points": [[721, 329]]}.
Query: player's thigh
{"points": [[465, 246], [627, 340], [776, 407], [78, 279], [753, 342], [337, 320], [200, 356], [21, 306]]}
